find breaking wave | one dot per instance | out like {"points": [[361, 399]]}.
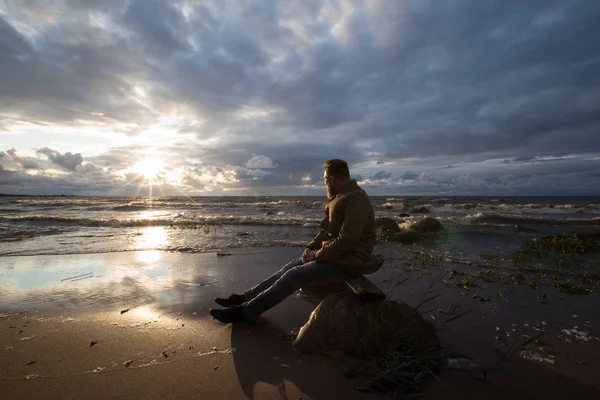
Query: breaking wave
{"points": [[175, 223]]}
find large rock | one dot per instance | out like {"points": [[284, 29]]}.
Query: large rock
{"points": [[427, 225], [420, 210], [388, 224], [407, 236], [362, 328], [317, 293]]}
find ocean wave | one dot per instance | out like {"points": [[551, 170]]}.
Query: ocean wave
{"points": [[174, 223], [481, 218], [131, 207]]}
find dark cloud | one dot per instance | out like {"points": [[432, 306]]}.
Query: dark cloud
{"points": [[409, 175], [10, 160], [67, 160], [271, 89], [381, 175]]}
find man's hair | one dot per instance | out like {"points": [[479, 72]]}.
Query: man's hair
{"points": [[337, 168]]}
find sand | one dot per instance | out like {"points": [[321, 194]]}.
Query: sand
{"points": [[64, 333]]}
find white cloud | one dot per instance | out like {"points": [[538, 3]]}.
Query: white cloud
{"points": [[260, 162]]}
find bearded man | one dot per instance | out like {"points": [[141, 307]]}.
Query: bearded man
{"points": [[343, 246]]}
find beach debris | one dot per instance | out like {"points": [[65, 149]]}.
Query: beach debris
{"points": [[92, 343], [98, 369], [532, 285], [78, 276], [242, 234], [21, 331], [214, 350], [164, 354], [216, 368], [576, 334], [541, 356], [124, 311], [27, 337], [223, 253], [31, 362], [127, 363], [571, 288]]}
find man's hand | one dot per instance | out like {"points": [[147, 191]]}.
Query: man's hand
{"points": [[308, 256]]}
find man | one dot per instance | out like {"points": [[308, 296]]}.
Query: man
{"points": [[343, 246]]}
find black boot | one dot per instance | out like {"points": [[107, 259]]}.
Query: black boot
{"points": [[228, 315], [231, 301]]}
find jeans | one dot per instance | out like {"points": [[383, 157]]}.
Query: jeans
{"points": [[293, 276]]}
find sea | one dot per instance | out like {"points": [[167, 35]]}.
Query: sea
{"points": [[474, 227]]}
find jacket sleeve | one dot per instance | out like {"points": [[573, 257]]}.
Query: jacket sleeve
{"points": [[317, 241], [356, 217], [321, 236]]}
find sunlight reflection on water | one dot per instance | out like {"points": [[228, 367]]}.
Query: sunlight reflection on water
{"points": [[152, 238]]}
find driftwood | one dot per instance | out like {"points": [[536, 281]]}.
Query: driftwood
{"points": [[364, 288]]}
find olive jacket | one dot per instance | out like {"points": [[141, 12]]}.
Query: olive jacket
{"points": [[347, 234]]}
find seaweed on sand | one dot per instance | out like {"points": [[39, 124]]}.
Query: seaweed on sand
{"points": [[571, 288], [559, 248], [383, 234]]}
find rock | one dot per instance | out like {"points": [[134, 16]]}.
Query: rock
{"points": [[362, 328], [420, 210], [403, 215], [388, 224], [316, 294], [407, 236], [427, 225]]}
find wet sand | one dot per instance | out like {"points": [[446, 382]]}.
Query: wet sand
{"points": [[64, 333]]}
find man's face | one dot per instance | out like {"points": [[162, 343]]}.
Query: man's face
{"points": [[329, 185]]}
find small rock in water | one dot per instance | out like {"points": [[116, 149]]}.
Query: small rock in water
{"points": [[389, 224], [427, 225], [407, 237]]}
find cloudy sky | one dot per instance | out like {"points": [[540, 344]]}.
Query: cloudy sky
{"points": [[104, 97]]}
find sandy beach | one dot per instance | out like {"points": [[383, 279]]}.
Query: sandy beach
{"points": [[136, 325]]}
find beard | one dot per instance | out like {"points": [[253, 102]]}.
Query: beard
{"points": [[331, 192]]}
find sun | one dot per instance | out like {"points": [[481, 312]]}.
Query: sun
{"points": [[150, 168]]}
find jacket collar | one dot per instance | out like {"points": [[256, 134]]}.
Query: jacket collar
{"points": [[350, 186]]}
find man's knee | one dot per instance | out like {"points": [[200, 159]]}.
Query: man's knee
{"points": [[291, 264], [292, 276]]}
